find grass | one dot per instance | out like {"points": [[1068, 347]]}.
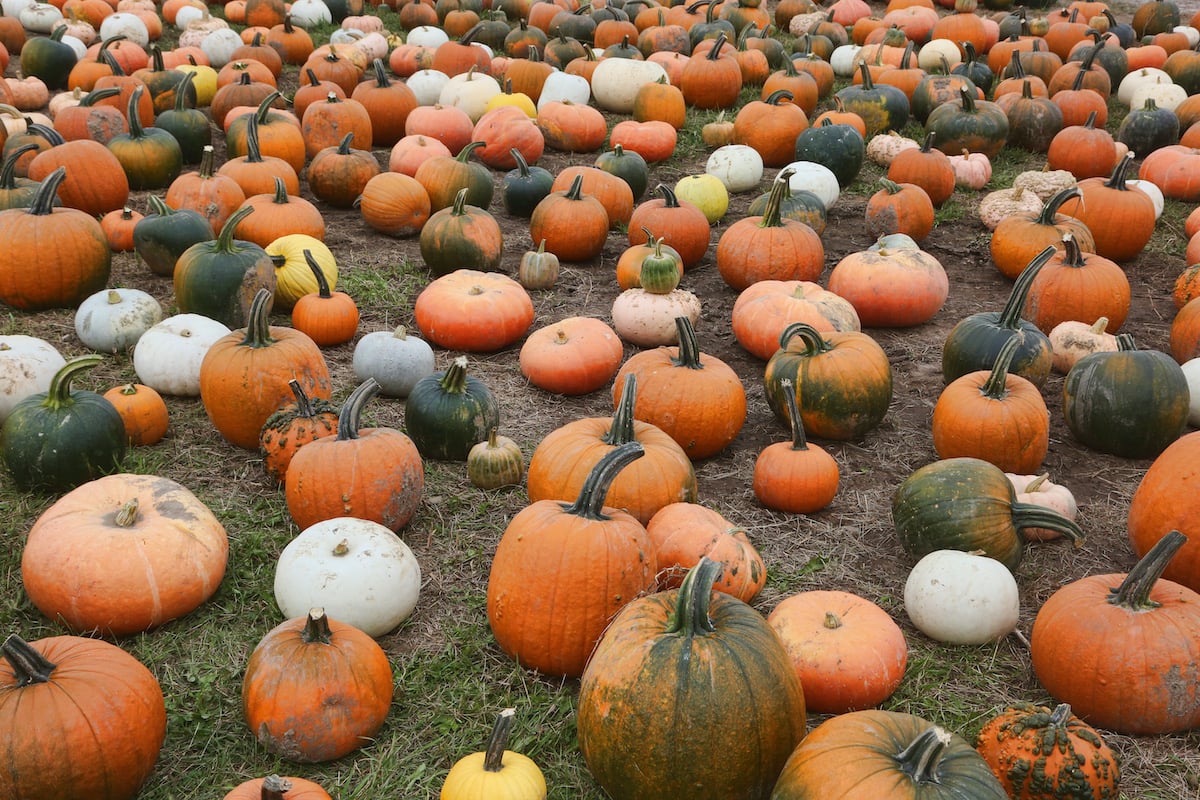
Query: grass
{"points": [[450, 677]]}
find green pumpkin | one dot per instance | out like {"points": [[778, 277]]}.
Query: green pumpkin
{"points": [[189, 126], [882, 107], [449, 412], [978, 71], [1148, 128], [835, 145], [162, 236], [220, 278], [968, 504], [628, 166], [48, 58], [975, 341], [524, 187], [57, 439], [17, 192], [976, 125], [461, 237], [689, 694], [151, 157], [799, 204], [1130, 403], [843, 383], [934, 90]]}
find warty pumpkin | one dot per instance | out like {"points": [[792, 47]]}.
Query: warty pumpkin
{"points": [[592, 559], [292, 426]]}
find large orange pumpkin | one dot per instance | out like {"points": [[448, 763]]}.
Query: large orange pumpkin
{"points": [[1168, 498], [473, 311]]}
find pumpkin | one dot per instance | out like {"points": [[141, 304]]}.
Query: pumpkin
{"points": [[574, 356], [696, 399], [181, 551], [245, 375], [62, 437], [1121, 219], [925, 167], [337, 174], [495, 462], [27, 365], [916, 286], [370, 473], [975, 341], [900, 208], [848, 653], [970, 124], [151, 157], [163, 235], [112, 320], [524, 186], [1072, 286], [316, 689], [73, 259], [792, 476], [395, 360], [213, 196], [1032, 749], [292, 426], [394, 204], [1149, 625], [1020, 237], [95, 183], [1131, 403], [683, 533], [885, 754], [220, 278], [76, 709], [328, 318], [680, 223], [961, 598], [882, 107], [167, 357], [573, 225], [563, 459], [995, 416], [680, 674], [461, 236], [553, 624], [968, 504], [769, 247], [273, 787], [143, 412], [473, 311], [495, 773], [647, 319], [448, 412], [765, 308], [843, 381], [357, 570]]}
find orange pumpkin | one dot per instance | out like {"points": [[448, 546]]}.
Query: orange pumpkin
{"points": [[473, 311], [574, 356], [143, 411], [683, 533], [793, 476]]}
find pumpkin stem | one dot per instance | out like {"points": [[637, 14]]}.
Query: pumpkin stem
{"points": [[670, 200], [590, 503], [996, 386], [690, 617], [127, 514], [455, 379], [772, 216], [814, 342], [493, 756], [274, 787], [135, 123], [8, 175], [318, 273], [795, 421], [59, 394], [1117, 179], [304, 406], [258, 324], [28, 665], [920, 759], [689, 350], [621, 430], [1036, 483], [47, 192], [460, 202], [1050, 209], [1134, 591], [206, 161], [1031, 515], [1010, 316], [831, 621], [316, 628], [352, 408], [225, 241], [181, 92]]}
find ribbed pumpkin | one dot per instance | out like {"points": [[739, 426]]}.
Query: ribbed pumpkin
{"points": [[461, 237], [769, 247], [244, 377], [1018, 239], [1166, 500], [274, 787], [573, 356], [574, 225], [843, 380], [696, 399], [220, 278], [891, 287], [1136, 683], [1131, 403], [562, 570], [689, 694], [328, 317], [562, 461], [495, 773], [449, 412], [369, 473], [1120, 218], [1075, 287], [151, 157], [968, 504], [473, 311], [792, 476]]}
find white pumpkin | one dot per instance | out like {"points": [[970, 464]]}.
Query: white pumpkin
{"points": [[1193, 35], [309, 14], [845, 60], [13, 8], [219, 45], [427, 36], [357, 570], [615, 82], [816, 178], [122, 23], [1152, 190], [929, 57], [962, 598], [1191, 371], [394, 359], [40, 17], [470, 91], [112, 320], [1137, 79], [1039, 490], [346, 36], [1072, 340], [648, 320], [738, 166], [1164, 95], [26, 366], [427, 85], [186, 15], [75, 43], [561, 86], [167, 357]]}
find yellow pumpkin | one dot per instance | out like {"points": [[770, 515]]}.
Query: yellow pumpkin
{"points": [[293, 277], [518, 99], [706, 192], [204, 82], [495, 773]]}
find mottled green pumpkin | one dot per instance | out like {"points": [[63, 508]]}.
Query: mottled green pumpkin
{"points": [[449, 412], [975, 341], [882, 107], [843, 381], [974, 125], [161, 237], [220, 278], [968, 504], [57, 439], [689, 693], [151, 157], [1130, 403], [461, 237]]}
